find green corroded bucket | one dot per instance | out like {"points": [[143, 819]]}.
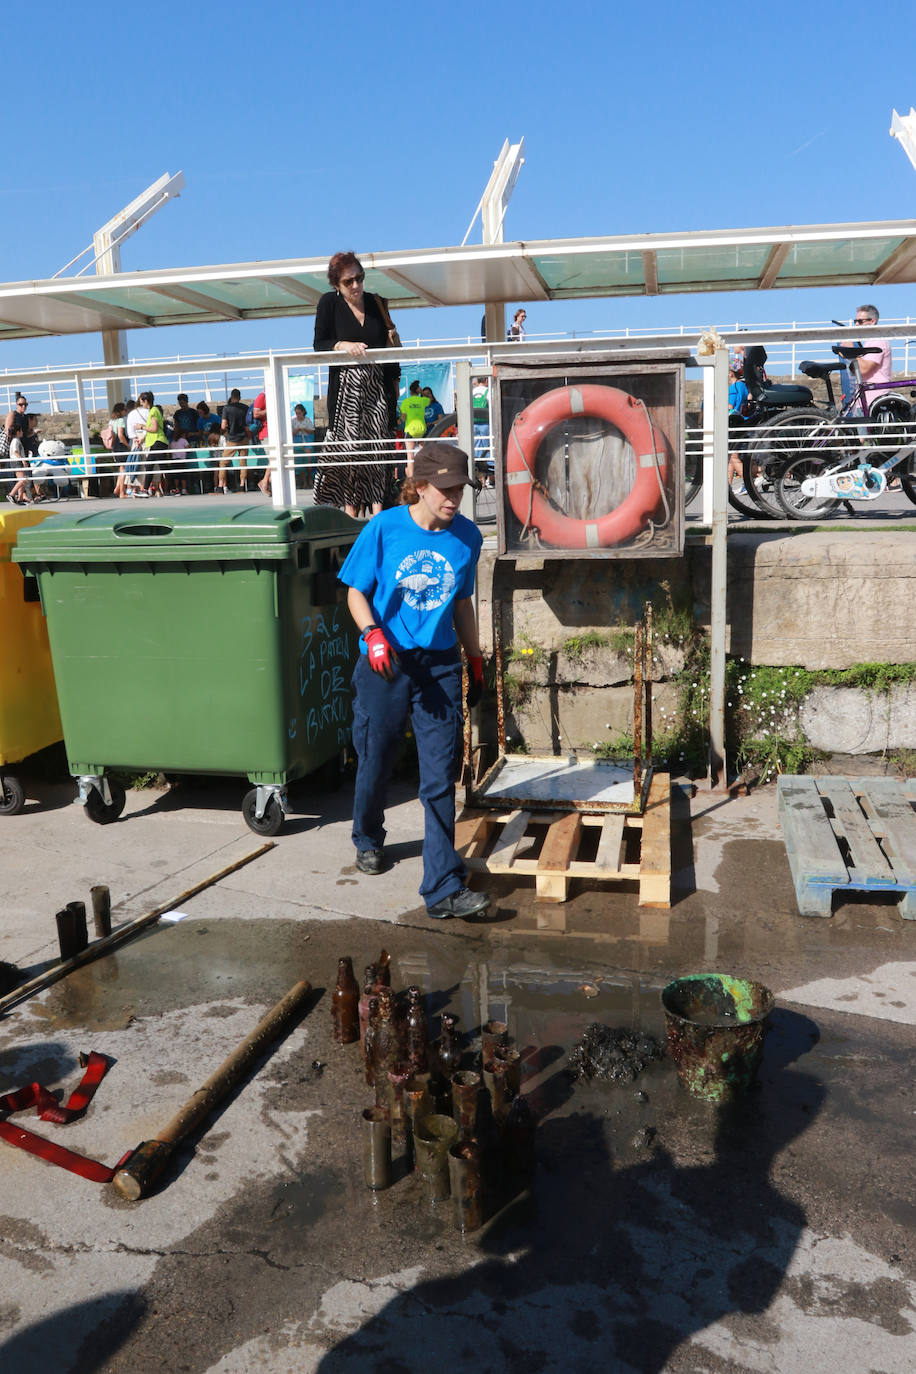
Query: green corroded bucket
{"points": [[716, 1027]]}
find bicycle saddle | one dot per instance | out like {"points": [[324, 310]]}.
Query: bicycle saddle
{"points": [[765, 393], [852, 350], [820, 371]]}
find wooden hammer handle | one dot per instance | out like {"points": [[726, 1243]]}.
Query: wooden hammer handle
{"points": [[136, 1176]]}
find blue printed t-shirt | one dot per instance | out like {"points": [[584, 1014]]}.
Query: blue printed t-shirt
{"points": [[412, 577], [737, 395]]}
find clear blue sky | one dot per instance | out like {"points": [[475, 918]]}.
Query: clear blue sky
{"points": [[302, 129]]}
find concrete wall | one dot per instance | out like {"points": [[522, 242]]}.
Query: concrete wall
{"points": [[818, 600]]}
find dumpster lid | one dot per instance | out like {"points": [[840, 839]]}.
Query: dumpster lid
{"points": [[202, 531]]}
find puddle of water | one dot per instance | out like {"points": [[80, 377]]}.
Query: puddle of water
{"points": [[172, 967]]}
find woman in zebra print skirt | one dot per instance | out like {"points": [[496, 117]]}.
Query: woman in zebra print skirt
{"points": [[354, 470]]}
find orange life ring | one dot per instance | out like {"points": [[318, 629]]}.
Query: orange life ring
{"points": [[631, 417]]}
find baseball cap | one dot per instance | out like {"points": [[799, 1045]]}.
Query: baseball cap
{"points": [[445, 465]]}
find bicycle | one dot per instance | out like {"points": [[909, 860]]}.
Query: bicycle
{"points": [[824, 461], [770, 404]]}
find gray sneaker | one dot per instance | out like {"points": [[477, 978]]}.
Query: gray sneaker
{"points": [[371, 861], [464, 902]]}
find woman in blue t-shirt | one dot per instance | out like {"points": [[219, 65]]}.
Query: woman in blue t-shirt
{"points": [[411, 584], [434, 409]]}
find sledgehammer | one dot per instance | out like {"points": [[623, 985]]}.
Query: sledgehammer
{"points": [[136, 1176]]}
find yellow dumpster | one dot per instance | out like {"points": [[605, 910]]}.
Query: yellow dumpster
{"points": [[29, 718]]}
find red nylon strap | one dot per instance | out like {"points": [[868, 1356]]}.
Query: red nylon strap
{"points": [[56, 1154], [96, 1069], [48, 1109]]}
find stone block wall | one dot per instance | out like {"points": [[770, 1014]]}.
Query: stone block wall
{"points": [[814, 599]]}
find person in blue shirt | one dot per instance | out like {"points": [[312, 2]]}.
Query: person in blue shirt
{"points": [[206, 420], [434, 409], [737, 403], [411, 576]]}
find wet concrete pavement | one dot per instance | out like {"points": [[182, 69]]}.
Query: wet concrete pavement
{"points": [[657, 1233]]}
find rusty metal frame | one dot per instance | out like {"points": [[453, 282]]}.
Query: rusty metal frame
{"points": [[476, 791]]}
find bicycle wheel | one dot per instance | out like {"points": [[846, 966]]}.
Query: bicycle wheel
{"points": [[794, 503], [693, 472], [739, 500], [776, 443], [907, 475]]}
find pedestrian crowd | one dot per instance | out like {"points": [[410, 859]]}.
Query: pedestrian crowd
{"points": [[154, 455]]}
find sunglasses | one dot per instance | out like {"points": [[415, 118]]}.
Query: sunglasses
{"points": [[352, 281], [865, 321]]}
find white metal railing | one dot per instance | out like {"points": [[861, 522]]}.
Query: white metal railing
{"points": [[205, 376]]}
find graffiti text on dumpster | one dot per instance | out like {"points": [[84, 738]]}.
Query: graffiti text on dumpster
{"points": [[324, 657]]}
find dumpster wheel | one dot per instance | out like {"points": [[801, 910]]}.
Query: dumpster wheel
{"points": [[98, 810], [271, 820], [13, 799]]}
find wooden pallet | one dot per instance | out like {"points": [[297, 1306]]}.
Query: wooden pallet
{"points": [[849, 834], [548, 846]]}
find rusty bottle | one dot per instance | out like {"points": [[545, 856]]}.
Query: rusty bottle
{"points": [[503, 1081], [367, 995], [448, 1046], [398, 1076], [399, 1017], [417, 1031], [377, 1148], [383, 971], [494, 1041], [433, 1138], [465, 1091], [370, 1041], [417, 1104], [464, 1184], [345, 1004], [385, 1050]]}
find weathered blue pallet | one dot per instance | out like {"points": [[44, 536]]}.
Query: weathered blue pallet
{"points": [[849, 835]]}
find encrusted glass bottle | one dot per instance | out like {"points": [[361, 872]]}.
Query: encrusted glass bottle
{"points": [[417, 1031], [345, 1004]]}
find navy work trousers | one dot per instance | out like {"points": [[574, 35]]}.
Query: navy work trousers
{"points": [[427, 688]]}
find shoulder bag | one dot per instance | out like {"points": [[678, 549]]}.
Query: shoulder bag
{"points": [[394, 338]]}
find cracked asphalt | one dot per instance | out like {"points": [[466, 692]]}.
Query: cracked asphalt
{"points": [[656, 1233]]}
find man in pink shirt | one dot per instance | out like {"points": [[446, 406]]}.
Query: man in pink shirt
{"points": [[873, 367]]}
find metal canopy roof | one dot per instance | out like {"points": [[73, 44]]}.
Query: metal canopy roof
{"points": [[878, 253]]}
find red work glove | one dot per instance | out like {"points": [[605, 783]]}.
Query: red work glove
{"points": [[379, 652], [475, 680]]}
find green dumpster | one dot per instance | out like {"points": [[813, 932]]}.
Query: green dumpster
{"points": [[201, 640]]}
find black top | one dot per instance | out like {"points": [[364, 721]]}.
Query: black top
{"points": [[185, 419], [335, 322], [234, 415], [20, 425]]}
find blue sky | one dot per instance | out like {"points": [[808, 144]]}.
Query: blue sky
{"points": [[302, 129]]}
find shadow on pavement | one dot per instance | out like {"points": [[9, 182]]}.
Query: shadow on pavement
{"points": [[614, 1264]]}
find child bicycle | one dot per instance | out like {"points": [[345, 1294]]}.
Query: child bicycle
{"points": [[806, 463], [849, 458]]}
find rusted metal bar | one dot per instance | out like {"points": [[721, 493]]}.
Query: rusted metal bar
{"points": [[638, 664], [647, 685], [500, 675]]}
